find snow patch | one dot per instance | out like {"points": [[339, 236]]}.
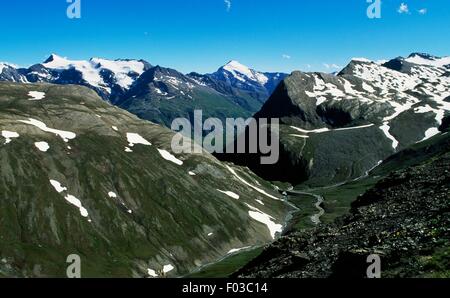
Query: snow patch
{"points": [[322, 130], [386, 128], [235, 250], [251, 186], [152, 272], [57, 186], [134, 138], [160, 92], [168, 156], [230, 194], [42, 146], [9, 135], [424, 109], [36, 95], [431, 132], [77, 203], [267, 220], [368, 88], [322, 89], [65, 135], [299, 136], [70, 198], [168, 268]]}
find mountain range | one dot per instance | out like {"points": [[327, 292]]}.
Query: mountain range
{"points": [[156, 93], [335, 128], [84, 173]]}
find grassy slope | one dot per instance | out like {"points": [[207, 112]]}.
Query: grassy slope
{"points": [[227, 266], [338, 198], [172, 211], [164, 111]]}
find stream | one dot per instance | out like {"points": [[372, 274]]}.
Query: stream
{"points": [[315, 218]]}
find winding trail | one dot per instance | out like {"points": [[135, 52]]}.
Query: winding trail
{"points": [[315, 218]]}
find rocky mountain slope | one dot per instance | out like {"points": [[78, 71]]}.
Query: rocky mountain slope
{"points": [[156, 93], [110, 79], [162, 95], [335, 128], [404, 219], [80, 176], [242, 82]]}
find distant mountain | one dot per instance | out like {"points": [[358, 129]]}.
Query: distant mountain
{"points": [[430, 60], [110, 79], [156, 93], [163, 94], [249, 87], [335, 128], [80, 176], [10, 73]]}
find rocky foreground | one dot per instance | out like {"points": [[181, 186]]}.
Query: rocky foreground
{"points": [[405, 219]]}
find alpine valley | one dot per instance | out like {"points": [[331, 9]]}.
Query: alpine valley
{"points": [[87, 169]]}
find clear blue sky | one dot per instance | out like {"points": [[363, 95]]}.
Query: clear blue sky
{"points": [[201, 35]]}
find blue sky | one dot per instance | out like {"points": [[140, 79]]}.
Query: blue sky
{"points": [[201, 35]]}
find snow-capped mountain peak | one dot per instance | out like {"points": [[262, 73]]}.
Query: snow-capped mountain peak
{"points": [[244, 73], [425, 59], [10, 72], [55, 61], [4, 65], [122, 72], [89, 72], [236, 66], [359, 59], [120, 66], [122, 69]]}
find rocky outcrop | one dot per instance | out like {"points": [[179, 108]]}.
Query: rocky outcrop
{"points": [[405, 219]]}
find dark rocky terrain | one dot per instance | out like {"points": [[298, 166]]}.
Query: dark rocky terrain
{"points": [[405, 219]]}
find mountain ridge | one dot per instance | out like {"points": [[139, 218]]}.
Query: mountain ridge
{"points": [[335, 128], [131, 84]]}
